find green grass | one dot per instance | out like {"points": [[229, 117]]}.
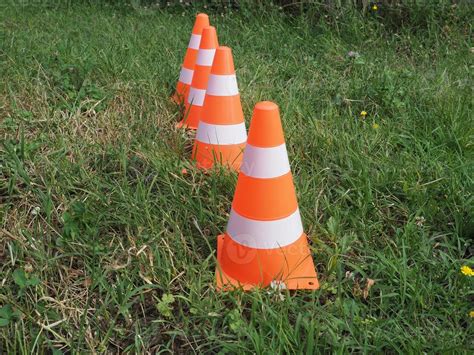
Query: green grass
{"points": [[105, 245]]}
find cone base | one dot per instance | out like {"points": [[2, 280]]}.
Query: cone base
{"points": [[177, 98], [191, 117], [207, 156], [183, 124], [181, 94], [305, 278]]}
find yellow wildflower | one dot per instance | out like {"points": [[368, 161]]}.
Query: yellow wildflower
{"points": [[375, 7], [363, 113], [466, 270], [375, 126], [471, 314]]}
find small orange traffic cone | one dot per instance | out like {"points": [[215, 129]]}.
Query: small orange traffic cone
{"points": [[264, 243], [221, 133], [202, 69], [187, 70]]}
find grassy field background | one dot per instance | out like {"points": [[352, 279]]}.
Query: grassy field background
{"points": [[107, 245]]}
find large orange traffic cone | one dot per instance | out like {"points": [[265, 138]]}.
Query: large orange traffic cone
{"points": [[187, 70], [202, 69], [221, 133], [264, 243]]}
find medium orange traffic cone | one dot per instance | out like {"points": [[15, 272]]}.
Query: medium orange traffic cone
{"points": [[221, 133], [202, 69], [264, 243], [187, 70]]}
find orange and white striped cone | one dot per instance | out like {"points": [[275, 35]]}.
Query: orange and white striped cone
{"points": [[187, 69], [264, 243], [221, 134], [202, 69]]}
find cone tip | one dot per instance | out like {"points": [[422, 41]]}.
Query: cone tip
{"points": [[209, 29], [224, 49], [266, 106], [209, 38], [265, 127], [202, 20], [223, 62]]}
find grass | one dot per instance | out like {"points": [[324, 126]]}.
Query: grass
{"points": [[106, 246]]}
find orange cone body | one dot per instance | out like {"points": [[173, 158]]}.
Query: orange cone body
{"points": [[221, 133], [187, 69], [202, 69], [264, 243]]}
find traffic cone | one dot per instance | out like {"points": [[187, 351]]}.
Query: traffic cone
{"points": [[187, 69], [202, 69], [221, 133], [264, 243]]}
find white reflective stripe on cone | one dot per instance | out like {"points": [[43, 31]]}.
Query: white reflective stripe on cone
{"points": [[196, 96], [205, 57], [194, 41], [221, 134], [265, 234], [265, 163], [186, 76], [222, 85]]}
